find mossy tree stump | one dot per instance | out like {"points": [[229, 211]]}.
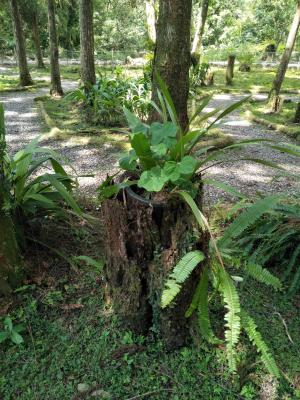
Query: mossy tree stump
{"points": [[143, 244]]}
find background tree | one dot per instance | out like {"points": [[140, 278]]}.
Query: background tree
{"points": [[56, 88], [277, 83], [25, 78], [151, 20], [87, 62], [200, 24], [30, 11], [172, 53]]}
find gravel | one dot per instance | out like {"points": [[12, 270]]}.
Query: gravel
{"points": [[23, 124]]}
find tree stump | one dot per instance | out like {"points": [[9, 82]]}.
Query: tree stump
{"points": [[210, 78], [276, 103], [297, 114], [244, 67], [143, 242], [230, 70]]}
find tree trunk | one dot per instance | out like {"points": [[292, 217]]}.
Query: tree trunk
{"points": [[10, 263], [36, 41], [25, 78], [143, 244], [200, 24], [285, 59], [151, 19], [297, 115], [172, 54], [230, 69], [56, 89], [88, 75]]}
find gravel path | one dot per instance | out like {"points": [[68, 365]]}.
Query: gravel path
{"points": [[23, 124]]}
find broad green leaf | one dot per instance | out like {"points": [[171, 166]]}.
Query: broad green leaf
{"points": [[160, 150], [141, 145], [134, 123], [16, 338], [188, 165], [129, 162], [163, 133], [153, 180], [171, 170], [4, 336]]}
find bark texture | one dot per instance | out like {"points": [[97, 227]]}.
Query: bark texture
{"points": [[230, 69], [151, 20], [172, 53], [200, 24], [297, 114], [143, 244], [36, 41], [88, 75], [55, 89], [285, 59], [25, 78]]}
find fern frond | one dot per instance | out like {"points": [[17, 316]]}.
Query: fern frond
{"points": [[203, 313], [292, 262], [263, 275], [250, 328], [179, 275], [232, 317], [248, 218]]}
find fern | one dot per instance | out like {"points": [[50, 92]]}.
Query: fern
{"points": [[263, 275], [203, 313], [179, 275], [232, 317], [250, 328], [248, 218]]}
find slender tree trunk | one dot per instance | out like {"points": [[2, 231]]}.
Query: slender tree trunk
{"points": [[172, 54], [297, 115], [151, 19], [285, 59], [56, 89], [230, 69], [10, 263], [200, 24], [25, 78], [88, 75], [36, 41]]}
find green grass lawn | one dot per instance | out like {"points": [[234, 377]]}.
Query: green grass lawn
{"points": [[72, 340], [258, 80], [282, 122]]}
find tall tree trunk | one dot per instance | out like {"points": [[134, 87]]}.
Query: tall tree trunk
{"points": [[25, 78], [277, 83], [172, 53], [151, 19], [88, 75], [230, 69], [10, 263], [200, 24], [56, 89], [297, 115], [36, 41]]}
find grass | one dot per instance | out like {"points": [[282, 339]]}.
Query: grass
{"points": [[282, 122], [72, 338], [63, 121], [258, 80], [11, 84]]}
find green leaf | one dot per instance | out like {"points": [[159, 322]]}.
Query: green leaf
{"points": [[168, 99], [97, 264], [179, 275], [171, 170], [203, 313], [129, 162], [263, 275], [229, 110], [163, 133], [140, 143], [4, 336], [16, 338], [153, 180], [202, 105], [188, 165], [134, 123], [8, 324], [160, 150]]}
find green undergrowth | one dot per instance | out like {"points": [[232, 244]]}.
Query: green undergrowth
{"points": [[72, 341], [63, 120], [282, 121], [258, 80], [11, 84]]}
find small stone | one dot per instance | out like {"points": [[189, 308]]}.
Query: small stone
{"points": [[101, 394], [83, 387]]}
